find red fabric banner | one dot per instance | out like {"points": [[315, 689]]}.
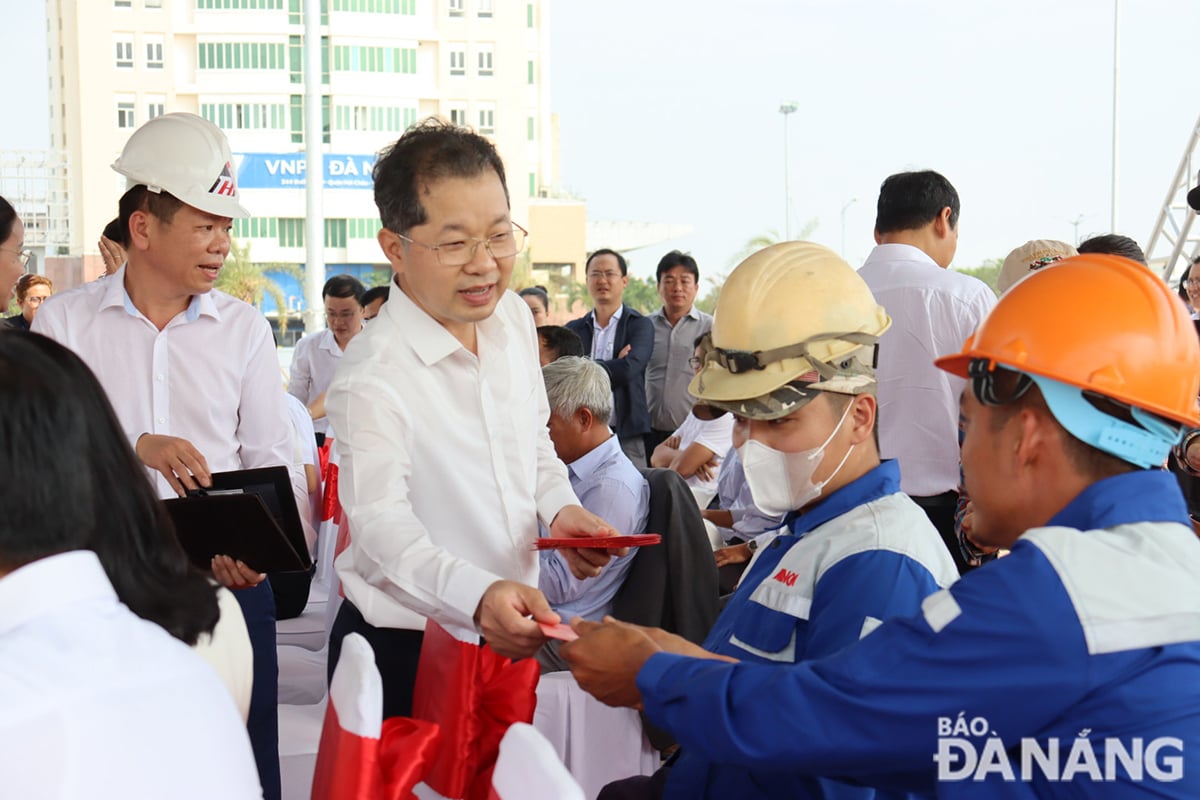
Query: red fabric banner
{"points": [[473, 695]]}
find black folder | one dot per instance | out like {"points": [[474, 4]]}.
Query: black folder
{"points": [[249, 515]]}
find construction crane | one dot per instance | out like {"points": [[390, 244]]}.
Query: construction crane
{"points": [[1175, 240]]}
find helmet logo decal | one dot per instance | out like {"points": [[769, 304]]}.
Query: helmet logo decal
{"points": [[225, 184]]}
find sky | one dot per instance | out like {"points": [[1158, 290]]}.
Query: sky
{"points": [[669, 113]]}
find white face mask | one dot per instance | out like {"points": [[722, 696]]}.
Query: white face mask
{"points": [[782, 482]]}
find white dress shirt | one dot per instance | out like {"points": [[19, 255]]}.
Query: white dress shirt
{"points": [[97, 703], [305, 451], [605, 337], [611, 487], [313, 362], [933, 311], [445, 463], [210, 376], [717, 436]]}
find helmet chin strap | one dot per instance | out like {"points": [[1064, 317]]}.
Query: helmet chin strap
{"points": [[1145, 445]]}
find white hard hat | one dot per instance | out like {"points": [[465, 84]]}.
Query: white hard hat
{"points": [[187, 156]]}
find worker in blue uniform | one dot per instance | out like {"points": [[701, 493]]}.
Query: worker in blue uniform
{"points": [[1068, 669], [855, 550]]}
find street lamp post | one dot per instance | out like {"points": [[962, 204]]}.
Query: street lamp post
{"points": [[786, 108], [846, 205], [1116, 94]]}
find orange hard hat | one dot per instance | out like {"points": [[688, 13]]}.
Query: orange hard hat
{"points": [[1099, 323]]}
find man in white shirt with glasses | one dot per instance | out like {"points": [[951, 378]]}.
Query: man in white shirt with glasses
{"points": [[317, 356], [446, 466]]}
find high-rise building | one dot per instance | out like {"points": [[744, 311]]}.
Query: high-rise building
{"points": [[114, 64]]}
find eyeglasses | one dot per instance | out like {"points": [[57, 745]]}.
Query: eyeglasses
{"points": [[23, 256], [1192, 282], [461, 252], [696, 363], [34, 300], [331, 315], [608, 276]]}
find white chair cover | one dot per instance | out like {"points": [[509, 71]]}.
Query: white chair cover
{"points": [[597, 743], [529, 769]]}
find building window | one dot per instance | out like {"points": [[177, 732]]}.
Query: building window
{"points": [[533, 184], [483, 8], [125, 116], [487, 121], [123, 43], [335, 233], [458, 114], [456, 7], [357, 58], [531, 127], [405, 7], [256, 228], [122, 3], [363, 228], [248, 5], [458, 60], [153, 3], [240, 55], [531, 72], [245, 116], [485, 61], [291, 232], [156, 106], [154, 52], [529, 15], [374, 118]]}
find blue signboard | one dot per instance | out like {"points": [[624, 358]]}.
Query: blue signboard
{"points": [[287, 171]]}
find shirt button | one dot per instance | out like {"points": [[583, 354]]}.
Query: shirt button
{"points": [[773, 544], [162, 420], [159, 377]]}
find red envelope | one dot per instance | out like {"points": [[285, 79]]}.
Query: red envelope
{"points": [[597, 542], [562, 631]]}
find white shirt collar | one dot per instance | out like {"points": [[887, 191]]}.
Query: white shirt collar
{"points": [[429, 339], [582, 467], [51, 583], [900, 252], [116, 296]]}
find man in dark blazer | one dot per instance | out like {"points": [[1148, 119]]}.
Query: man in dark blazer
{"points": [[620, 339]]}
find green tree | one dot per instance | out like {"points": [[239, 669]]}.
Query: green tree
{"points": [[988, 272], [380, 276], [248, 281]]}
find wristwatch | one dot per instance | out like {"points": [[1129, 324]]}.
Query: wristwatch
{"points": [[752, 545], [1181, 452]]}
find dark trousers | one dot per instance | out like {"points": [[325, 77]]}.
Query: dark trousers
{"points": [[291, 592], [639, 787], [258, 607], [397, 652], [940, 510]]}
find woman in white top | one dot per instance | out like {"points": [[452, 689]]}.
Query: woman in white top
{"points": [[317, 356], [129, 531]]}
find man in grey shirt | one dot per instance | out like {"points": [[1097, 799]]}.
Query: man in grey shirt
{"points": [[676, 326]]}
